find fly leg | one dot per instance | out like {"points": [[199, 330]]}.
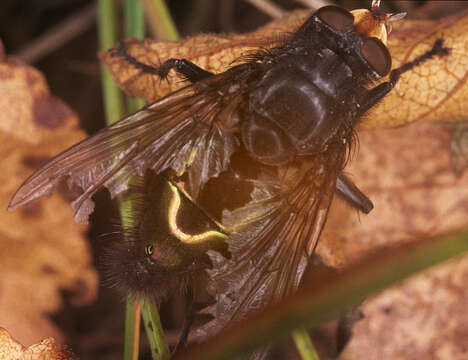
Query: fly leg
{"points": [[349, 192], [187, 69], [184, 335], [188, 322], [373, 96]]}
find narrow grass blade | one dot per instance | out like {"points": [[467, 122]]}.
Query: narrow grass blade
{"points": [[107, 28], [331, 296], [160, 20], [134, 27], [304, 345], [132, 329], [156, 337]]}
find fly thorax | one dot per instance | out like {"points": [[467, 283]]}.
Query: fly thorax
{"points": [[291, 114]]}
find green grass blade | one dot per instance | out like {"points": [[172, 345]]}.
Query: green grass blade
{"points": [[134, 22], [107, 29], [304, 345], [113, 104], [160, 20], [134, 27], [156, 337], [330, 297], [132, 329]]}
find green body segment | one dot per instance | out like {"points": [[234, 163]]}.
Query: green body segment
{"points": [[166, 239], [176, 232]]}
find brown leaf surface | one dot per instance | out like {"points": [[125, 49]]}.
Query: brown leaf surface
{"points": [[29, 110], [434, 91], [408, 174], [47, 349], [42, 249], [424, 318]]}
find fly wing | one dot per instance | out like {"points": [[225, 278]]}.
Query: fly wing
{"points": [[191, 129], [269, 254]]}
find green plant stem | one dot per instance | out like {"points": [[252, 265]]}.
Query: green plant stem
{"points": [[160, 20], [134, 23], [132, 329], [304, 345], [134, 27], [156, 337], [107, 28], [330, 297], [113, 104]]}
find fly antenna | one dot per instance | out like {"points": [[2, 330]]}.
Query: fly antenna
{"points": [[375, 5]]}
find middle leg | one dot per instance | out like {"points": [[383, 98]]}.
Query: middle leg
{"points": [[349, 192]]}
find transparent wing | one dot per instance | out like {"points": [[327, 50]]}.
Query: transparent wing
{"points": [[191, 129], [270, 254]]}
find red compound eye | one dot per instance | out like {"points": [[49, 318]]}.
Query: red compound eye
{"points": [[377, 55], [338, 18]]}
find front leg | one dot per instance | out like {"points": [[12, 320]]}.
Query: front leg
{"points": [[373, 96], [187, 69]]}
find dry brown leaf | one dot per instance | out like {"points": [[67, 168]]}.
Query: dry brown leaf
{"points": [[408, 174], [434, 91], [42, 249], [47, 349], [26, 103], [425, 318]]}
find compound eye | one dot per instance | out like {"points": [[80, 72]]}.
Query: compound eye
{"points": [[149, 250], [336, 17], [377, 55]]}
